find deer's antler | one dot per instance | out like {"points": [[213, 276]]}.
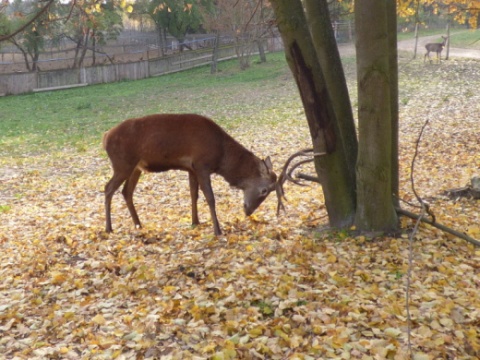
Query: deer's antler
{"points": [[287, 172]]}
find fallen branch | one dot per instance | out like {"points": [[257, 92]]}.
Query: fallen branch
{"points": [[458, 234]]}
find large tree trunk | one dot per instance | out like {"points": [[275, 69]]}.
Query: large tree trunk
{"points": [[329, 58], [375, 210], [335, 173]]}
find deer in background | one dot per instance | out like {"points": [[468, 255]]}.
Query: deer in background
{"points": [[189, 142], [435, 47]]}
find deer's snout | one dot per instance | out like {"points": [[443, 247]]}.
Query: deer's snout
{"points": [[248, 209]]}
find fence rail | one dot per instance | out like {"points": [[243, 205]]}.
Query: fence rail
{"points": [[20, 83]]}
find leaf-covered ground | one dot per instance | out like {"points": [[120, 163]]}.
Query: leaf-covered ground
{"points": [[270, 288]]}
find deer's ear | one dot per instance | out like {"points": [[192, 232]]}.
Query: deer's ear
{"points": [[268, 163]]}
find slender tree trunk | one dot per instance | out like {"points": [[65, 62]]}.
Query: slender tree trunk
{"points": [[25, 56], [35, 56], [416, 41], [375, 210], [333, 169], [80, 44], [161, 42], [261, 50], [24, 53], [216, 45], [447, 52], [84, 49], [393, 74], [94, 46]]}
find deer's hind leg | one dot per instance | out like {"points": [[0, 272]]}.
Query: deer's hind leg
{"points": [[127, 192]]}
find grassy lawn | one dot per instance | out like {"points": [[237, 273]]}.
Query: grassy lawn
{"points": [[77, 117], [286, 287], [469, 39]]}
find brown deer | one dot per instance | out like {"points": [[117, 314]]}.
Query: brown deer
{"points": [[189, 142], [435, 47]]}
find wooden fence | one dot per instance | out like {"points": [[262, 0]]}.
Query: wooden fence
{"points": [[20, 83]]}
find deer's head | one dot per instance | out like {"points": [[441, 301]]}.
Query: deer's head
{"points": [[256, 190]]}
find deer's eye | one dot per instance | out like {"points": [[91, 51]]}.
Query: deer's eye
{"points": [[264, 192]]}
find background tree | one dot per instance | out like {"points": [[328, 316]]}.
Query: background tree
{"points": [[4, 22], [89, 24], [31, 40], [247, 22], [173, 17]]}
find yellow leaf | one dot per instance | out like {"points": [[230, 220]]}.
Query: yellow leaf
{"points": [[99, 319], [58, 277], [209, 348], [340, 280], [279, 333], [256, 331], [68, 315], [331, 259], [392, 332], [421, 356], [169, 289]]}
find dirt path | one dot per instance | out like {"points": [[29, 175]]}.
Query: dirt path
{"points": [[408, 45]]}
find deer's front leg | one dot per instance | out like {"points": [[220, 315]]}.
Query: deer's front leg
{"points": [[192, 179]]}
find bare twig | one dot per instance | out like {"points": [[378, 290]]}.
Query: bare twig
{"points": [[409, 278], [427, 208]]}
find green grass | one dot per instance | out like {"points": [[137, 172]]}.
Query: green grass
{"points": [[76, 118], [466, 39], [421, 32]]}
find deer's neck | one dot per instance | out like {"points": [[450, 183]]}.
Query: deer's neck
{"points": [[238, 164]]}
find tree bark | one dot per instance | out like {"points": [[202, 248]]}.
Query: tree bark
{"points": [[261, 50], [329, 58], [375, 210], [333, 170], [393, 74], [216, 46]]}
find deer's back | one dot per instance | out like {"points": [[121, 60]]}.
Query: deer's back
{"points": [[167, 141]]}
